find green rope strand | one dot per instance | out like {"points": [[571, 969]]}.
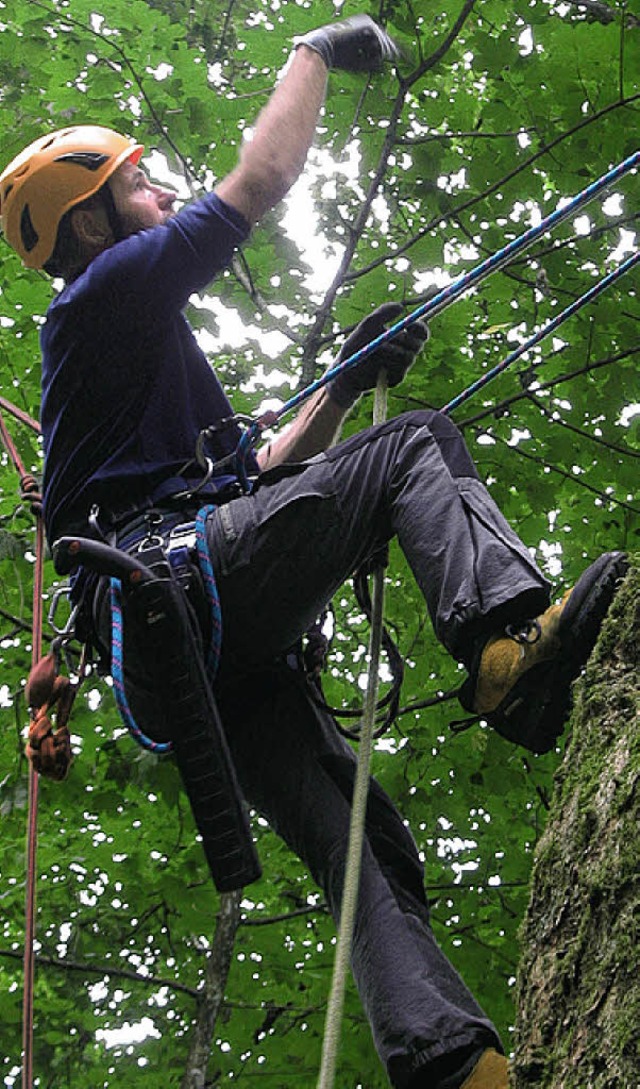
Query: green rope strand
{"points": [[333, 1022]]}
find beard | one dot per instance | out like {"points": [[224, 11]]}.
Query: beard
{"points": [[144, 220]]}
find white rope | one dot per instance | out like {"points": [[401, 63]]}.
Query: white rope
{"points": [[333, 1021]]}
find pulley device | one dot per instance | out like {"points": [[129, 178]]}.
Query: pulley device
{"points": [[170, 650]]}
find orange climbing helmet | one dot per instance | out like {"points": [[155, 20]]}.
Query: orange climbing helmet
{"points": [[49, 177]]}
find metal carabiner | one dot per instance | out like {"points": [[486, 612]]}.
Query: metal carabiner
{"points": [[68, 631]]}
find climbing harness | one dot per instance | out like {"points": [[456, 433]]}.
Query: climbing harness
{"points": [[181, 542], [169, 648]]}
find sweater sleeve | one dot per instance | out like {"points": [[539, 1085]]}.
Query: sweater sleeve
{"points": [[157, 270]]}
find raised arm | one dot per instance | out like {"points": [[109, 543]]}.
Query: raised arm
{"points": [[271, 162]]}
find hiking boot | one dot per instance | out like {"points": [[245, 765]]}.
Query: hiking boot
{"points": [[491, 1072], [520, 681]]}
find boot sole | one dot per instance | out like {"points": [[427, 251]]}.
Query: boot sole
{"points": [[533, 713]]}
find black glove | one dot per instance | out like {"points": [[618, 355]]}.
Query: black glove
{"points": [[395, 357], [356, 44]]}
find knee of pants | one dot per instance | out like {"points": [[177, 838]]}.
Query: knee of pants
{"points": [[451, 444], [391, 843]]}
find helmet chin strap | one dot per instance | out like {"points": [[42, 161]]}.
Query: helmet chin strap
{"points": [[113, 215]]}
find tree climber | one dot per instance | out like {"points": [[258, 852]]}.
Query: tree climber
{"points": [[125, 394]]}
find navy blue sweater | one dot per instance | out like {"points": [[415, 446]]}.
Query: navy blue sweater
{"points": [[125, 388]]}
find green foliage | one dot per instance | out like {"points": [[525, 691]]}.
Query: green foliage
{"points": [[497, 131]]}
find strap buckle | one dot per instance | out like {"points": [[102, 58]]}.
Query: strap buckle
{"points": [[181, 536]]}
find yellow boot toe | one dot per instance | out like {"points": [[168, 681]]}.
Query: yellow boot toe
{"points": [[490, 1072]]}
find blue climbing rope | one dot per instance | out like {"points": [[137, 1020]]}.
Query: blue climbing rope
{"points": [[438, 303], [543, 332], [117, 672], [209, 579], [117, 640]]}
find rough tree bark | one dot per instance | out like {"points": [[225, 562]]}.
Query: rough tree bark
{"points": [[578, 1020]]}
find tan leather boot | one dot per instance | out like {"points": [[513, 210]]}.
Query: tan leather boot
{"points": [[509, 655], [521, 681], [490, 1072]]}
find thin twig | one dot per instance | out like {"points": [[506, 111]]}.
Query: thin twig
{"points": [[575, 479], [625, 451], [494, 187], [502, 407]]}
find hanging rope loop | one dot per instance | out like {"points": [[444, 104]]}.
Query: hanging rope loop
{"points": [[49, 745], [30, 493]]}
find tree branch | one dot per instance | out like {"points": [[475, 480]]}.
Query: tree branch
{"points": [[20, 625], [225, 26], [210, 998], [433, 701], [580, 430], [495, 187], [438, 137], [434, 58], [599, 12], [270, 919], [65, 964], [503, 407], [517, 449]]}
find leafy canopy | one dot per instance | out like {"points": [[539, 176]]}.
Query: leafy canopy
{"points": [[498, 112]]}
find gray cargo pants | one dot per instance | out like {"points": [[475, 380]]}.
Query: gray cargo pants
{"points": [[282, 552], [279, 555]]}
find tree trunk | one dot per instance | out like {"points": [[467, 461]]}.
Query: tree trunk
{"points": [[216, 973], [578, 1017]]}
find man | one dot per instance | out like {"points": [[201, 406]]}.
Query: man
{"points": [[126, 394]]}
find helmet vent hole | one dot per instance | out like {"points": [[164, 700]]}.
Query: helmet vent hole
{"points": [[91, 160], [27, 230]]}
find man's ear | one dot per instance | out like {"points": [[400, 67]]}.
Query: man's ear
{"points": [[91, 228]]}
